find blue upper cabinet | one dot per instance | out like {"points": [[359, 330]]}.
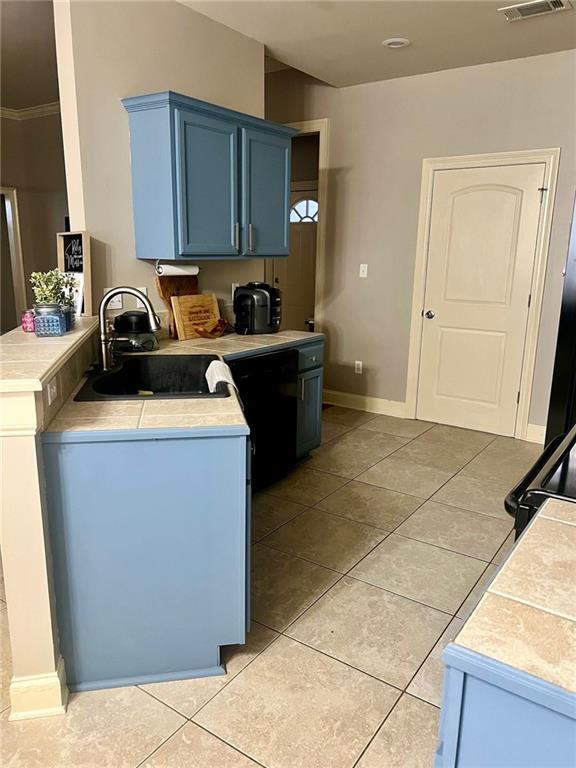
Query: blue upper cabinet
{"points": [[207, 185], [207, 182], [265, 193]]}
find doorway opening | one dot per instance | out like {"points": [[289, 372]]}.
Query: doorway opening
{"points": [[12, 285], [34, 201], [300, 276]]}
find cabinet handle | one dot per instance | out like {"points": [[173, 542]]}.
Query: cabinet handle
{"points": [[302, 389], [250, 238], [237, 235]]}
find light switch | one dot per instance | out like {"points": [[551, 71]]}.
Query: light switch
{"points": [[138, 302], [363, 270]]}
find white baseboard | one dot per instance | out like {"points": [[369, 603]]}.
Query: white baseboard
{"points": [[535, 433], [365, 403], [39, 695]]}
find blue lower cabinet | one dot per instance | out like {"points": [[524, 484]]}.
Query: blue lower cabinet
{"points": [[149, 532], [309, 429], [494, 716]]}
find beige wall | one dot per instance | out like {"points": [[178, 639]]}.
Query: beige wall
{"points": [[107, 51], [32, 160], [379, 134]]}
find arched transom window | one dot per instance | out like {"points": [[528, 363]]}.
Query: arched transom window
{"points": [[304, 212]]}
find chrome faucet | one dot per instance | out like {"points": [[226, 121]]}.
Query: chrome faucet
{"points": [[153, 319]]}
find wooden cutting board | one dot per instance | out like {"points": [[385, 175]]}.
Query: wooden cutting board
{"points": [[192, 312], [175, 285]]}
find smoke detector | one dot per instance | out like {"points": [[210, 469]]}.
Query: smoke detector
{"points": [[528, 10], [396, 42]]}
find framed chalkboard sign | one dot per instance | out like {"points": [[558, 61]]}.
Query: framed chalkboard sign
{"points": [[73, 249]]}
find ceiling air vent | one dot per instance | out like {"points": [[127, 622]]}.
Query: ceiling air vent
{"points": [[535, 8]]}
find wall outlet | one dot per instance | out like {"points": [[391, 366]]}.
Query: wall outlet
{"points": [[357, 366], [52, 390], [139, 304], [363, 270], [234, 286], [116, 302]]}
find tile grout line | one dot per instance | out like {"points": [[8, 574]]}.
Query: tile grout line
{"points": [[392, 453], [387, 456], [377, 731], [159, 700], [266, 647], [426, 659], [347, 480], [261, 541], [269, 533], [464, 509], [447, 549], [341, 661], [342, 575], [530, 604], [149, 755], [227, 743], [452, 615]]}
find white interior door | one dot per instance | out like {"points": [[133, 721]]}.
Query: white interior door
{"points": [[482, 242]]}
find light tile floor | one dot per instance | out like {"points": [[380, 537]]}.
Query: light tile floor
{"points": [[367, 559]]}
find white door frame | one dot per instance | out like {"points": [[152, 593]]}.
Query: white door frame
{"points": [[322, 128], [15, 242], [550, 157]]}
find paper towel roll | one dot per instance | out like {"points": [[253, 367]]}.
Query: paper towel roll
{"points": [[163, 270]]}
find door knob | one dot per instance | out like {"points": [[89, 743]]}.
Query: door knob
{"points": [[429, 314]]}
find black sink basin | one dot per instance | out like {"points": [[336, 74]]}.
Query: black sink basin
{"points": [[141, 377]]}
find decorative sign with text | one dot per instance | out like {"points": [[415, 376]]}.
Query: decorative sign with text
{"points": [[73, 250]]}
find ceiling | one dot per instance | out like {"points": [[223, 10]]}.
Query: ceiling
{"points": [[340, 42], [27, 54]]}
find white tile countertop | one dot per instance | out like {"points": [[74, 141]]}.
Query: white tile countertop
{"points": [[27, 361], [234, 343], [527, 618], [183, 413]]}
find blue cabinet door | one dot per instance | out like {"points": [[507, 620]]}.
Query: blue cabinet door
{"points": [[309, 427], [147, 591], [265, 193], [206, 185]]}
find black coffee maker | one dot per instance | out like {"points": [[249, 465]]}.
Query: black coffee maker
{"points": [[258, 308]]}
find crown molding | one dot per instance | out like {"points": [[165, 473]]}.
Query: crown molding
{"points": [[30, 113]]}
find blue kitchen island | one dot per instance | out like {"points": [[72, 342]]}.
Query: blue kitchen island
{"points": [[149, 513], [510, 674]]}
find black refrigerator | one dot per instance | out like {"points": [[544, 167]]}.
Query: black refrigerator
{"points": [[553, 474], [562, 409]]}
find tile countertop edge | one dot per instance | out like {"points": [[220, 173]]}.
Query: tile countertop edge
{"points": [[160, 433], [86, 327], [473, 635], [69, 418], [251, 344]]}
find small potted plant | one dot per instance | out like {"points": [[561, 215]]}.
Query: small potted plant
{"points": [[48, 289], [69, 285]]}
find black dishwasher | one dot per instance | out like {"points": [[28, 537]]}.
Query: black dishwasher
{"points": [[268, 390]]}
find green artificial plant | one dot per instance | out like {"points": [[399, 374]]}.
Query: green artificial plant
{"points": [[54, 287]]}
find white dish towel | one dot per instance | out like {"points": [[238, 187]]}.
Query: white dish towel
{"points": [[218, 371]]}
